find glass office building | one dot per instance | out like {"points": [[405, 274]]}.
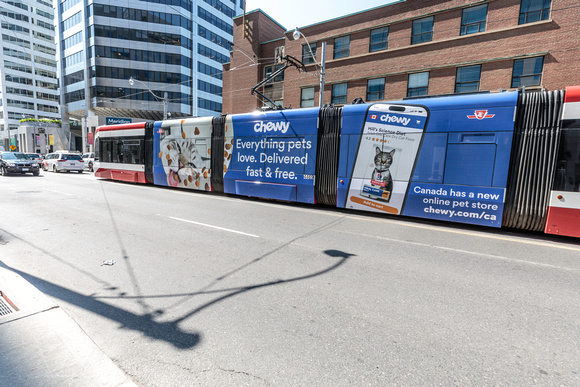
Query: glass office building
{"points": [[28, 70], [172, 49]]}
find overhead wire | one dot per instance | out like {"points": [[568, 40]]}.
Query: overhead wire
{"points": [[264, 60], [330, 72], [345, 73]]}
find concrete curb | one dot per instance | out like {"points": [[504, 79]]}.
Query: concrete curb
{"points": [[42, 345]]}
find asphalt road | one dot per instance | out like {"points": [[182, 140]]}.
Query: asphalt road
{"points": [[215, 290]]}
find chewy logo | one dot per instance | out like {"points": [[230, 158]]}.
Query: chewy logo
{"points": [[262, 127], [398, 120]]}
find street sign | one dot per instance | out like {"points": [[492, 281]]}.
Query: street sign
{"points": [[12, 147], [115, 120]]}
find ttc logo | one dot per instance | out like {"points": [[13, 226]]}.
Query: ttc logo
{"points": [[480, 115]]}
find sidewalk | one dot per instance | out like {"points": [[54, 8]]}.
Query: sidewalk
{"points": [[40, 345]]}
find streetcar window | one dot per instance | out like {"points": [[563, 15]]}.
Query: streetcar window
{"points": [[122, 150], [430, 167], [106, 150], [97, 148], [132, 152], [117, 156], [470, 164], [568, 167]]}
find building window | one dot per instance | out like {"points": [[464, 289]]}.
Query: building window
{"points": [[209, 88], [534, 10], [212, 54], [277, 103], [338, 93], [467, 79], [473, 19], [422, 30], [379, 39], [213, 37], [269, 70], [376, 89], [207, 104], [307, 97], [527, 72], [209, 70], [418, 84], [309, 53], [341, 47]]}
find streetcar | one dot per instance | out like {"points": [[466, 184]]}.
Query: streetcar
{"points": [[507, 159]]}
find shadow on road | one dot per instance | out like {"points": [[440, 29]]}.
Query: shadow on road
{"points": [[145, 323], [166, 331]]}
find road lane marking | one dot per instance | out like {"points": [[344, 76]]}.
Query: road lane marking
{"points": [[498, 257], [60, 192], [399, 222], [470, 233], [216, 227]]}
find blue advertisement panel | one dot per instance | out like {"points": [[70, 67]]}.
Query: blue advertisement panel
{"points": [[463, 204], [274, 155]]}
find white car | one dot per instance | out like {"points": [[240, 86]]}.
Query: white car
{"points": [[36, 158], [89, 160], [63, 161]]}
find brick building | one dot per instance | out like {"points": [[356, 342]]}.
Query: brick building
{"points": [[408, 48]]}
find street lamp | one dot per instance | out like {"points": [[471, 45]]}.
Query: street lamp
{"points": [[296, 35], [164, 99]]}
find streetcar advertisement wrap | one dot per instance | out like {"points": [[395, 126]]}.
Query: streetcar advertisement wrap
{"points": [[181, 153], [464, 204], [446, 158], [386, 155], [431, 162], [274, 155]]}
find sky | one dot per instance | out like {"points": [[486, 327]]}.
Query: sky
{"points": [[301, 13]]}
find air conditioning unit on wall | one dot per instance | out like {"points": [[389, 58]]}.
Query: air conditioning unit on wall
{"points": [[279, 54]]}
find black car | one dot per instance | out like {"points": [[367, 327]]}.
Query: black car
{"points": [[17, 162]]}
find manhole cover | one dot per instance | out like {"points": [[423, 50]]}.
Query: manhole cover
{"points": [[6, 306]]}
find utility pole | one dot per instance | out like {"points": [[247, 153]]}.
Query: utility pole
{"points": [[322, 66]]}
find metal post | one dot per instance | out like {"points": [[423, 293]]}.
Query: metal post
{"points": [[165, 99], [83, 134], [322, 66], [165, 106]]}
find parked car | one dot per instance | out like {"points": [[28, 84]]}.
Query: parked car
{"points": [[17, 162], [89, 159], [63, 161], [35, 157]]}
